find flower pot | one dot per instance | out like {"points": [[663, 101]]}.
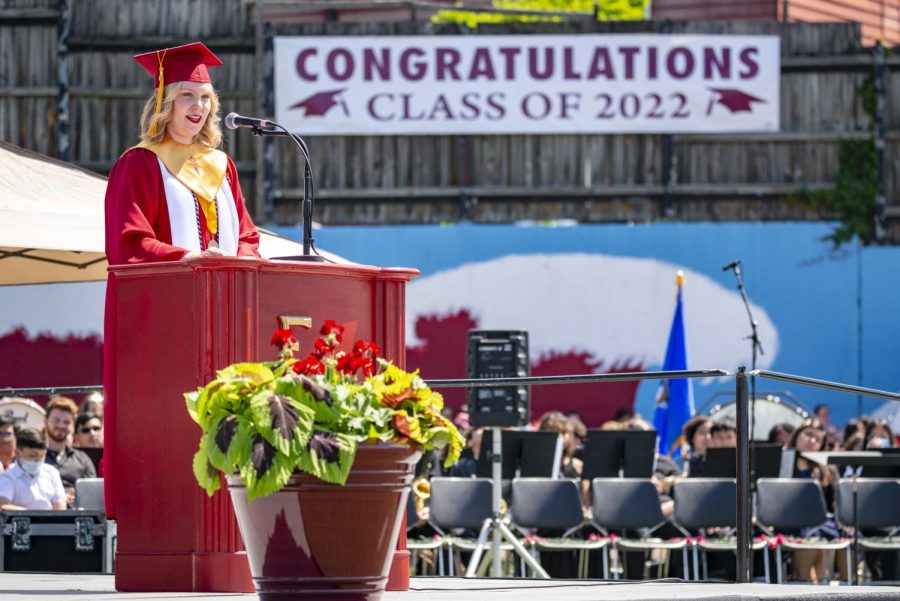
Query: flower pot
{"points": [[318, 540]]}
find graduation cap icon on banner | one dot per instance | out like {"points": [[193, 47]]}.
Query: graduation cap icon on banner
{"points": [[736, 101], [320, 103]]}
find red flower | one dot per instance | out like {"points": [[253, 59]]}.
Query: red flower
{"points": [[309, 366], [283, 338], [330, 326]]}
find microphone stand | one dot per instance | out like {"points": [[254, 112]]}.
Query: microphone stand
{"points": [[754, 341], [308, 192]]}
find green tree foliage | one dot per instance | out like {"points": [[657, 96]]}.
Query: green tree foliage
{"points": [[603, 10]]}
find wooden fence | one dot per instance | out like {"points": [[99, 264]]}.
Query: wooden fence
{"points": [[423, 179]]}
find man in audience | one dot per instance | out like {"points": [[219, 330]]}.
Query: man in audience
{"points": [[723, 433], [7, 443], [71, 463], [88, 431], [30, 483]]}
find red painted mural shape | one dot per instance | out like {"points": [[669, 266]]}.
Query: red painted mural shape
{"points": [[47, 360], [443, 356]]}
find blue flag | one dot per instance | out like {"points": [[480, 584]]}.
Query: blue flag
{"points": [[675, 397]]}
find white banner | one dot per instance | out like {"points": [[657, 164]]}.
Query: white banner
{"points": [[527, 84]]}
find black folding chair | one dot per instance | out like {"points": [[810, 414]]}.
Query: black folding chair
{"points": [[785, 505], [632, 504], [552, 504]]}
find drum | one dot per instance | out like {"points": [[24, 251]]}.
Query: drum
{"points": [[24, 413], [767, 412]]}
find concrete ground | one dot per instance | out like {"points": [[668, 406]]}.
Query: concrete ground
{"points": [[82, 587]]}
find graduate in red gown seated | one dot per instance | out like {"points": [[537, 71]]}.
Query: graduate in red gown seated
{"points": [[175, 195]]}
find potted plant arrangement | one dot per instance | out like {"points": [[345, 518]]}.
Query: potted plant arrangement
{"points": [[318, 455]]}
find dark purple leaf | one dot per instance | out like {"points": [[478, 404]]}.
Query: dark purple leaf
{"points": [[262, 456], [284, 417], [326, 446], [318, 392], [225, 432]]}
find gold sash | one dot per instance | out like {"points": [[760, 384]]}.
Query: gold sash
{"points": [[198, 167]]}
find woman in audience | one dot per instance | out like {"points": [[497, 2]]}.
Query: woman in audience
{"points": [[554, 421], [781, 433], [697, 439], [878, 435], [810, 437]]}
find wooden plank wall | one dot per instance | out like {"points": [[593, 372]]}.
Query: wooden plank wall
{"points": [[441, 178]]}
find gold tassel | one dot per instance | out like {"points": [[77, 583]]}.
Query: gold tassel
{"points": [[159, 91]]}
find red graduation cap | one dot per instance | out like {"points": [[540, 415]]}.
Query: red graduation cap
{"points": [[181, 63]]}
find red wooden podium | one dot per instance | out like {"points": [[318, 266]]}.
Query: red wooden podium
{"points": [[175, 324]]}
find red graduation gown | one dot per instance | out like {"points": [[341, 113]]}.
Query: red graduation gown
{"points": [[138, 231]]}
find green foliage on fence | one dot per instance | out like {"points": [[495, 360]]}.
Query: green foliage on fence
{"points": [[602, 10]]}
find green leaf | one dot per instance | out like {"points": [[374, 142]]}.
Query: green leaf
{"points": [[227, 443], [207, 476], [292, 386], [267, 470], [190, 399], [328, 456], [256, 373], [283, 422]]}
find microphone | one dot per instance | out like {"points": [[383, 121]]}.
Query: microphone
{"points": [[234, 121], [732, 265]]}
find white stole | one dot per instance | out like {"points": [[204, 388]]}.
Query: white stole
{"points": [[183, 214]]}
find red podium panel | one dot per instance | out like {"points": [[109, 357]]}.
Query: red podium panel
{"points": [[175, 324]]}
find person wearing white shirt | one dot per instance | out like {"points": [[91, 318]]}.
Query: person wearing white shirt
{"points": [[30, 483]]}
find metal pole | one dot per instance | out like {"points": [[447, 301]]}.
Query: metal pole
{"points": [[497, 475], [742, 469], [62, 66], [880, 200], [785, 10], [268, 145], [668, 158]]}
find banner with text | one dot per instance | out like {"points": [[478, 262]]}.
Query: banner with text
{"points": [[527, 84]]}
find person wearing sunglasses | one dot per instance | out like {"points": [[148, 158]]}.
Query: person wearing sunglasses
{"points": [[88, 431]]}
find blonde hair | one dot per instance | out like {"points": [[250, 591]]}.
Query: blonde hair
{"points": [[210, 134]]}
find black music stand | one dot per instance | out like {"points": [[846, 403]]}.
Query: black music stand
{"points": [[765, 461], [619, 454], [526, 454], [882, 461], [504, 459]]}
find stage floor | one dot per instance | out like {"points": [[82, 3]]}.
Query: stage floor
{"points": [[55, 587]]}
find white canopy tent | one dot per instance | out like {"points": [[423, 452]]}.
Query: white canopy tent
{"points": [[52, 225]]}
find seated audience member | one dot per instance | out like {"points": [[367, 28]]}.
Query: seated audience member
{"points": [[468, 458], [623, 415], [88, 431], [809, 437], [781, 433], [554, 421], [696, 440], [30, 483], [7, 443], [92, 404], [854, 426], [722, 434], [71, 463], [878, 436]]}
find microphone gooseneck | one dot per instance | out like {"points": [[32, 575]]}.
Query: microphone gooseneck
{"points": [[732, 265]]}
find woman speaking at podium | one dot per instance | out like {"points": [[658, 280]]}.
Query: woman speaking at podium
{"points": [[173, 196]]}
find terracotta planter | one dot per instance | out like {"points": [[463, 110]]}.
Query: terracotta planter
{"points": [[318, 540]]}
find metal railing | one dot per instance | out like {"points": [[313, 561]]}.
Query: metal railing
{"points": [[742, 415]]}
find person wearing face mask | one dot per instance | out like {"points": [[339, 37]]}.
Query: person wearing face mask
{"points": [[30, 483], [174, 196]]}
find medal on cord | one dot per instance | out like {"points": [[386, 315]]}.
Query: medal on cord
{"points": [[214, 241]]}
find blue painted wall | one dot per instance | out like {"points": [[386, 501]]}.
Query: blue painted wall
{"points": [[835, 311]]}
